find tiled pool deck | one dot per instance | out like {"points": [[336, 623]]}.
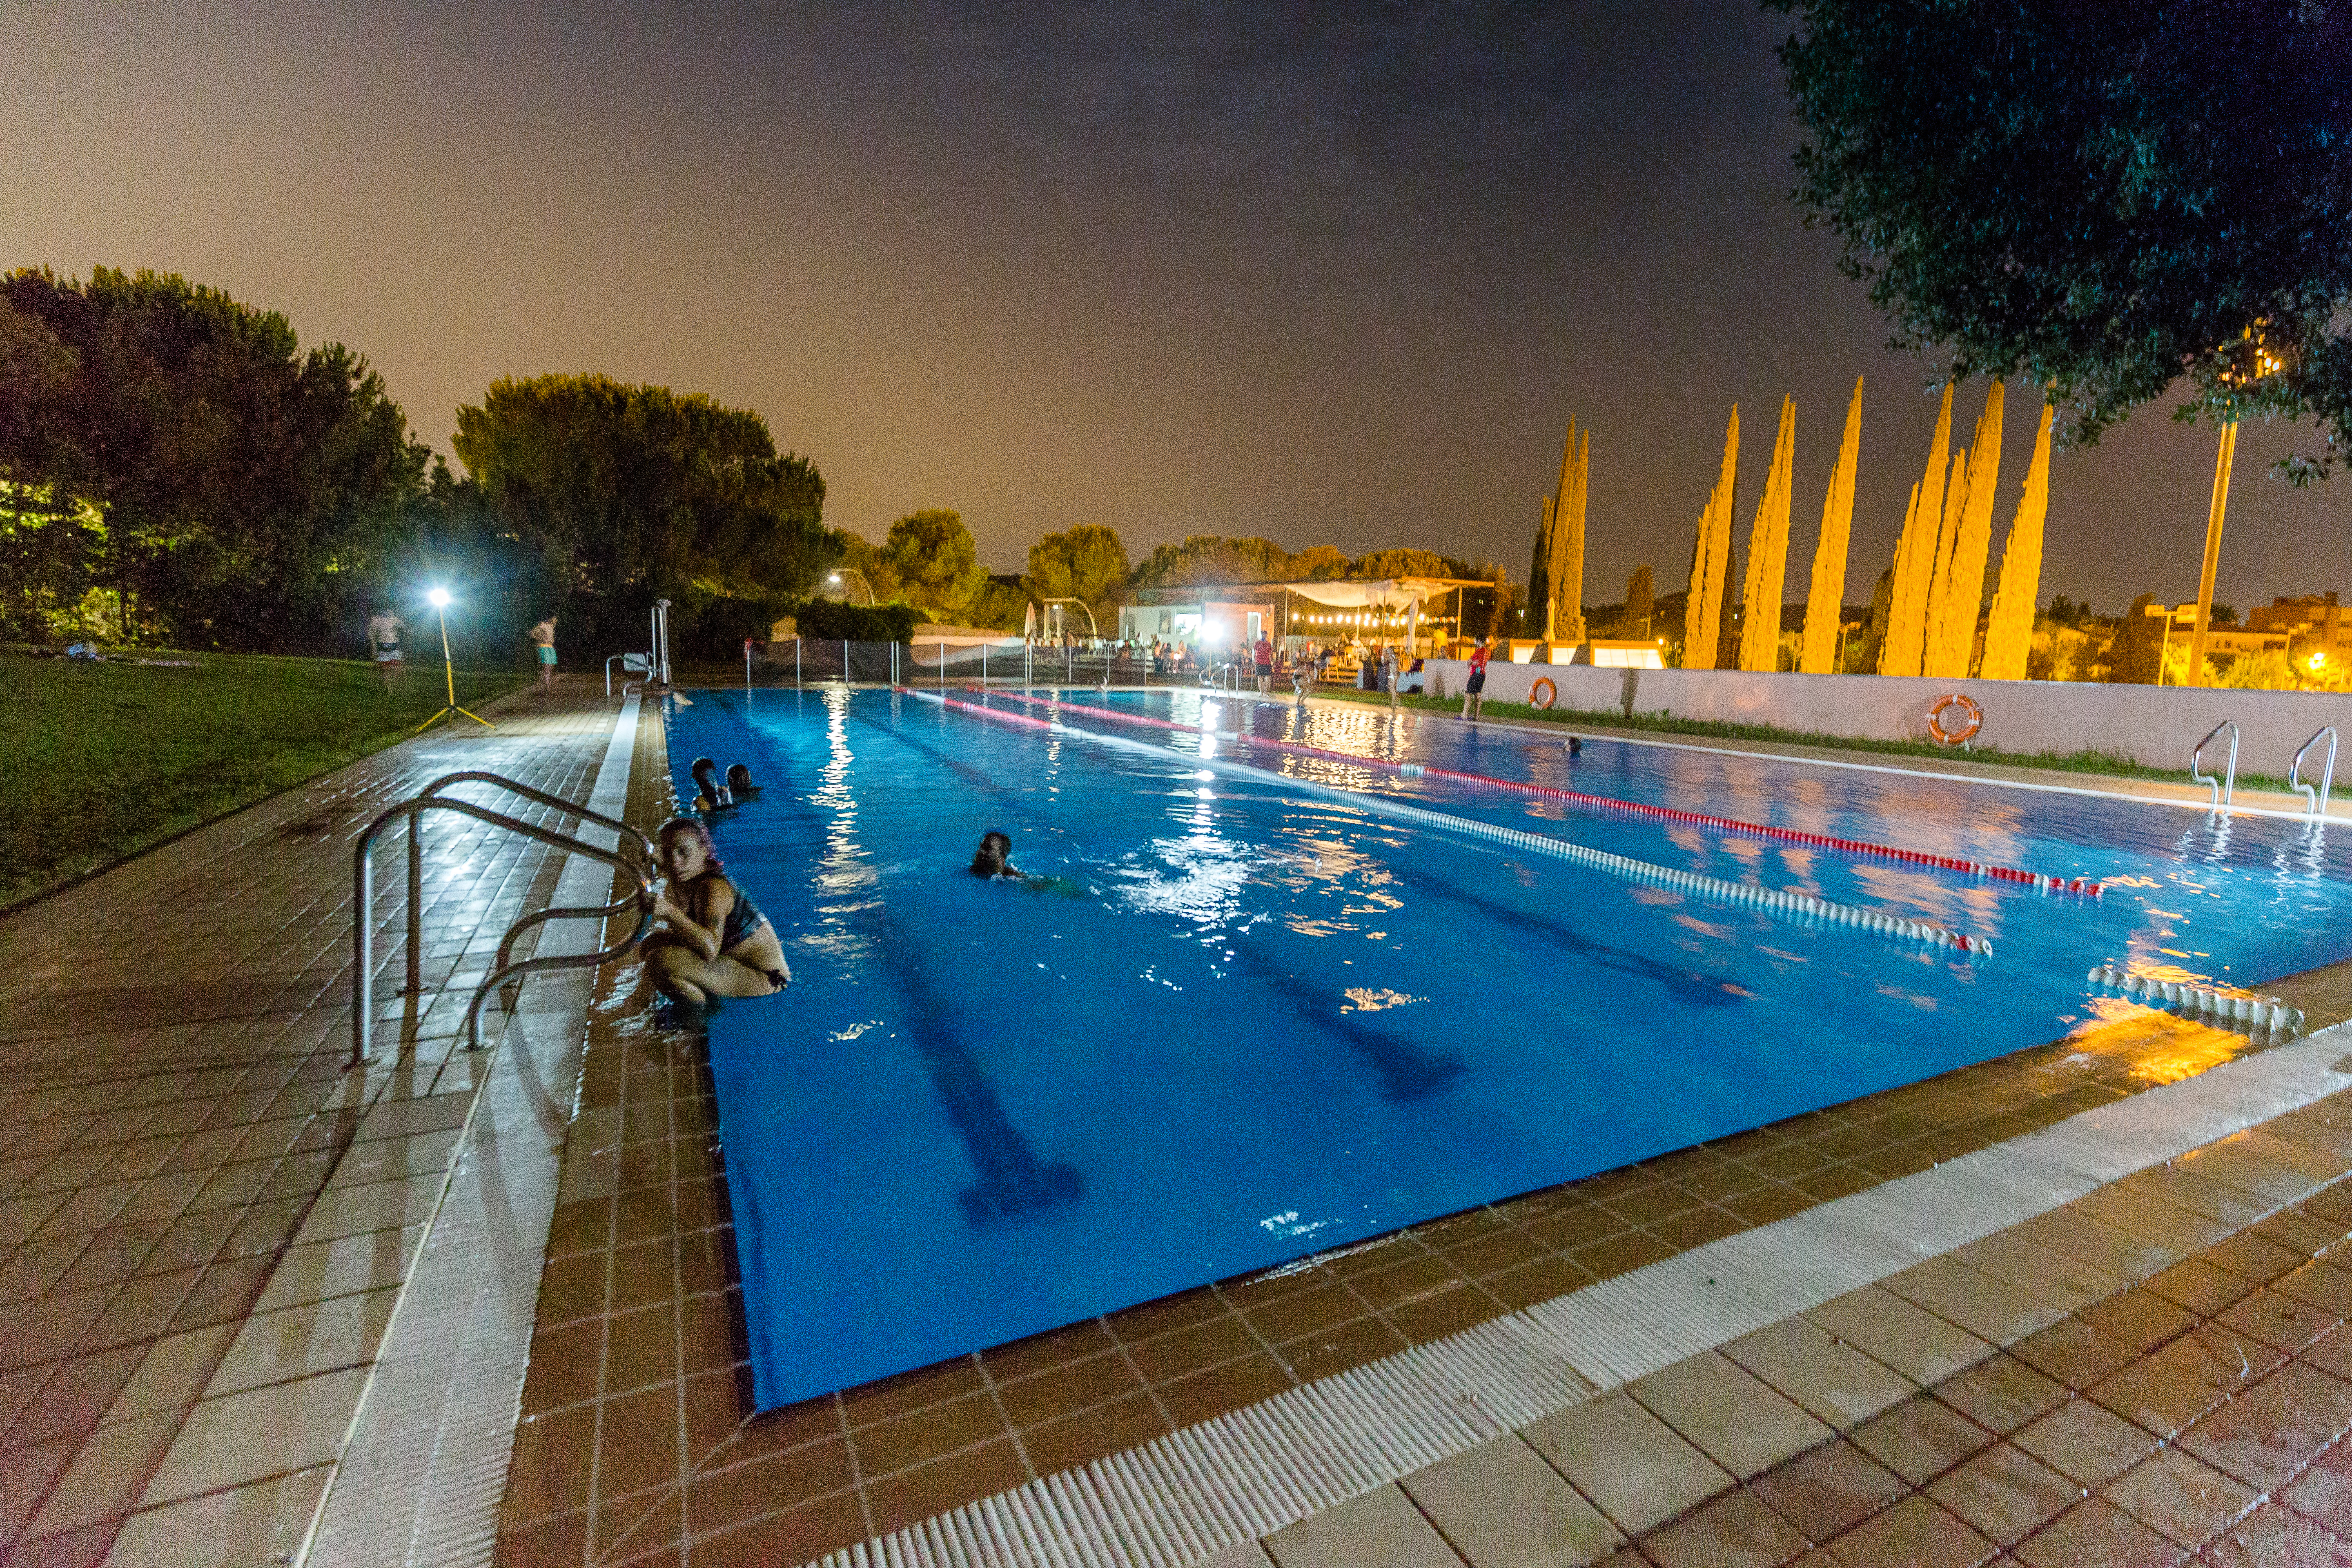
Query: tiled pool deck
{"points": [[2037, 1387], [205, 1217]]}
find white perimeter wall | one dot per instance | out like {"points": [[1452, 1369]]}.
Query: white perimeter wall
{"points": [[2153, 725]]}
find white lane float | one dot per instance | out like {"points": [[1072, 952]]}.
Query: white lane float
{"points": [[2240, 1010]]}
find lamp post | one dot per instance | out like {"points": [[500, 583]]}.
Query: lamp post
{"points": [[439, 599], [835, 580], [2212, 557]]}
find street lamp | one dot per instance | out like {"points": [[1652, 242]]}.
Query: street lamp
{"points": [[439, 599], [835, 580]]}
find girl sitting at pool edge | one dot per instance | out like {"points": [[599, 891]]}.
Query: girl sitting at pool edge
{"points": [[716, 942]]}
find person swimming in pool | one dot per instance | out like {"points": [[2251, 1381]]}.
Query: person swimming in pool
{"points": [[994, 856], [713, 796], [994, 860], [740, 785], [716, 943]]}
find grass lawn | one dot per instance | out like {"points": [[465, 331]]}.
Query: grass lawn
{"points": [[101, 760], [2106, 763]]}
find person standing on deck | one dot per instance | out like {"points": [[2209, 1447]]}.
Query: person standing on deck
{"points": [[1474, 693], [542, 641], [1264, 656], [383, 629]]}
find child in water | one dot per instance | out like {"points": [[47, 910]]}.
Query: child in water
{"points": [[713, 796], [995, 859]]}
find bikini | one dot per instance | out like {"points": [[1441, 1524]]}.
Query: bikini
{"points": [[742, 919]]}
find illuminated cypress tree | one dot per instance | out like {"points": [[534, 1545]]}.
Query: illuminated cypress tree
{"points": [[1767, 551], [1703, 610], [1568, 541], [1824, 604], [1953, 622], [2010, 633], [1539, 574], [1916, 553]]}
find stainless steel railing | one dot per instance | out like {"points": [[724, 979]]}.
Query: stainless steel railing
{"points": [[2225, 787], [430, 799], [2316, 799]]}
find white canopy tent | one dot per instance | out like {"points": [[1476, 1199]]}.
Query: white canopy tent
{"points": [[1407, 594]]}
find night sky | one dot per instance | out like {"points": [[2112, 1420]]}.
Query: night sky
{"points": [[1327, 273]]}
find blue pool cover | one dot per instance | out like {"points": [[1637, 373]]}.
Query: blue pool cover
{"points": [[1235, 1022]]}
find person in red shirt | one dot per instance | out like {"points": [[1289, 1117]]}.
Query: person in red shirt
{"points": [[1263, 653], [1474, 695]]}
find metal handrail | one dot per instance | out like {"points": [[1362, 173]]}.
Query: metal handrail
{"points": [[645, 666], [2317, 799], [2223, 789], [416, 848], [413, 809], [642, 900]]}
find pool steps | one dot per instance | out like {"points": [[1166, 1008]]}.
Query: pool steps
{"points": [[2242, 1008], [2082, 887], [1799, 908]]}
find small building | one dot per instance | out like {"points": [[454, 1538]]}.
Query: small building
{"points": [[2318, 616], [1207, 623], [2230, 640]]}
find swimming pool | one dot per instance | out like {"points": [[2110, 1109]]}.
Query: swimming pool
{"points": [[1255, 1017]]}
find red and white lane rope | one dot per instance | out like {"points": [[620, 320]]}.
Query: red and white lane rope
{"points": [[2084, 886], [1798, 908]]}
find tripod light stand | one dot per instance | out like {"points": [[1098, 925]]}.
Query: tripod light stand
{"points": [[440, 599]]}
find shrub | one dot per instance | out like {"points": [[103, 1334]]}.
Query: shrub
{"points": [[830, 620]]}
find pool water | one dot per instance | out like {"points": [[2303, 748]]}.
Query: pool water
{"points": [[1237, 1020]]}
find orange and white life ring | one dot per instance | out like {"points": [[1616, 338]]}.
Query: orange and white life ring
{"points": [[1543, 693], [1966, 705]]}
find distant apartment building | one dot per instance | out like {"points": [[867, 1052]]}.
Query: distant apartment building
{"points": [[2316, 613], [2274, 626]]}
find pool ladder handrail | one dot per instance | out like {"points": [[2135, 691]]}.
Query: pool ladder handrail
{"points": [[431, 799], [2316, 800], [2225, 788]]}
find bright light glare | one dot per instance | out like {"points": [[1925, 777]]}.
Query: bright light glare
{"points": [[835, 578], [439, 598]]}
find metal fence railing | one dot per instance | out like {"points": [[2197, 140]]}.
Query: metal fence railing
{"points": [[809, 662]]}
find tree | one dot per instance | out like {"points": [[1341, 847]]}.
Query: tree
{"points": [[931, 556], [1729, 616], [1205, 559], [1641, 603], [1377, 564], [627, 494], [1086, 562], [2100, 195], [1318, 562], [2132, 657], [238, 482]]}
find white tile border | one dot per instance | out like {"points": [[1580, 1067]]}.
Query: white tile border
{"points": [[1180, 1499], [423, 1470]]}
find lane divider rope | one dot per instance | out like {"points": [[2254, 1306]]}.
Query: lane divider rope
{"points": [[2241, 1009], [1800, 908], [2082, 887]]}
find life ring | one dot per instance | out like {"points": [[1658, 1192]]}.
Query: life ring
{"points": [[1966, 705], [1543, 693]]}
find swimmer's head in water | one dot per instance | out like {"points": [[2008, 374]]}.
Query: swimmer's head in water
{"points": [[705, 772], [738, 779], [686, 848], [994, 856]]}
